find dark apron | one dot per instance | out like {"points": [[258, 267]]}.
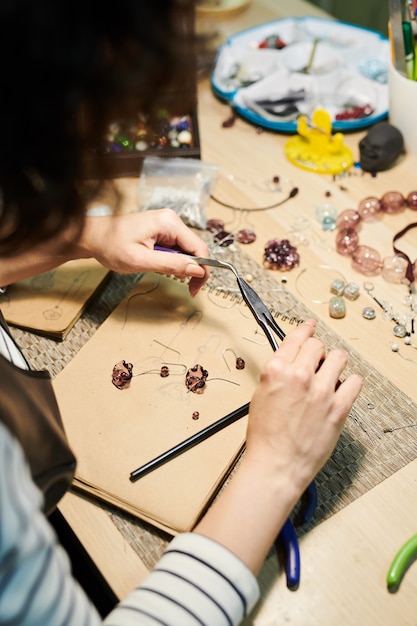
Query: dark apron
{"points": [[29, 409]]}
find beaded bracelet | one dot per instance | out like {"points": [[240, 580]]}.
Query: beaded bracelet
{"points": [[365, 259]]}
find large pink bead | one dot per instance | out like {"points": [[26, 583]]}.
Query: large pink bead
{"points": [[394, 269], [412, 200], [347, 240], [393, 202], [369, 209], [366, 260], [349, 218]]}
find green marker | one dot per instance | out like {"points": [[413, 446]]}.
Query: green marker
{"points": [[409, 50]]}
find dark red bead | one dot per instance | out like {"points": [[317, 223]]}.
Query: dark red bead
{"points": [[393, 202], [412, 200], [246, 235]]}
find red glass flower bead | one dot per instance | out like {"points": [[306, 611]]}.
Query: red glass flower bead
{"points": [[195, 378], [347, 240], [412, 200], [122, 374], [393, 202], [369, 208], [366, 260], [349, 218], [240, 363]]}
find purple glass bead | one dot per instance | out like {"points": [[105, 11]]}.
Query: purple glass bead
{"points": [[412, 200], [366, 260], [280, 255], [224, 238], [349, 218], [393, 202], [347, 240], [369, 208]]}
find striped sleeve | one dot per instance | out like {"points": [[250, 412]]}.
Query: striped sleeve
{"points": [[36, 586], [197, 582]]}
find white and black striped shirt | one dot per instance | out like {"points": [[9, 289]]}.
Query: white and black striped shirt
{"points": [[197, 582]]}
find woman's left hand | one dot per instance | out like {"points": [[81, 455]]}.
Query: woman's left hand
{"points": [[125, 244]]}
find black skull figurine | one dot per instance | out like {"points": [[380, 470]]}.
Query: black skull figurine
{"points": [[381, 147]]}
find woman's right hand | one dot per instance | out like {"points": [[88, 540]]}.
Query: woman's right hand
{"points": [[299, 407]]}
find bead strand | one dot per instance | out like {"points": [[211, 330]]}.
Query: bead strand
{"points": [[365, 259]]}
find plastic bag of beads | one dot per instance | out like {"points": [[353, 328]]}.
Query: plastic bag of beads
{"points": [[181, 184]]}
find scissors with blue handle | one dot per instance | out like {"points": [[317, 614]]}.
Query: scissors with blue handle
{"points": [[286, 540]]}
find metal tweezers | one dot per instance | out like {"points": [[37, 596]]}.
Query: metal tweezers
{"points": [[259, 310], [286, 540]]}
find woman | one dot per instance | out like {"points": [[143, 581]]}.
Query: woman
{"points": [[68, 70]]}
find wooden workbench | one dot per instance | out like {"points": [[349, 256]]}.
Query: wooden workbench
{"points": [[346, 557]]}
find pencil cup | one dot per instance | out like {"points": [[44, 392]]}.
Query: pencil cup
{"points": [[402, 107]]}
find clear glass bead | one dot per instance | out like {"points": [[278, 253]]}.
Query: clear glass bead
{"points": [[394, 269], [325, 210], [328, 223], [366, 260], [337, 307], [337, 287], [393, 202], [347, 240], [351, 291], [369, 209]]}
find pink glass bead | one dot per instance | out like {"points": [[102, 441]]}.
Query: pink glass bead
{"points": [[394, 269], [393, 202], [369, 208], [366, 260], [412, 200], [349, 218], [347, 240]]}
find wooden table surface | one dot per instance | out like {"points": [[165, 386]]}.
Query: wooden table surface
{"points": [[344, 559]]}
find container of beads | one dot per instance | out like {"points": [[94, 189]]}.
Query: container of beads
{"points": [[402, 105], [169, 130]]}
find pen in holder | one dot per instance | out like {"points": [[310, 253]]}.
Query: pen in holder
{"points": [[402, 106]]}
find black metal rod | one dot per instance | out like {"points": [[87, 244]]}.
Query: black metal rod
{"points": [[192, 441]]}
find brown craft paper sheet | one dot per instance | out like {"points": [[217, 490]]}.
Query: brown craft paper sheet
{"points": [[49, 304], [114, 431]]}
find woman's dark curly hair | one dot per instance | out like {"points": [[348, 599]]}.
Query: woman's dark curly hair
{"points": [[68, 69]]}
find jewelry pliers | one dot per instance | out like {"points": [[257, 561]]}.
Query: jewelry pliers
{"points": [[286, 540]]}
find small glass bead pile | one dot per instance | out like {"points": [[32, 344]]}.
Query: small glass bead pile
{"points": [[165, 132], [365, 259]]}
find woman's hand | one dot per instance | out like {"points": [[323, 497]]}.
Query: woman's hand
{"points": [[125, 244], [296, 416], [299, 407]]}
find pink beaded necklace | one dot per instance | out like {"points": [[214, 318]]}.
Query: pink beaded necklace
{"points": [[365, 259]]}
